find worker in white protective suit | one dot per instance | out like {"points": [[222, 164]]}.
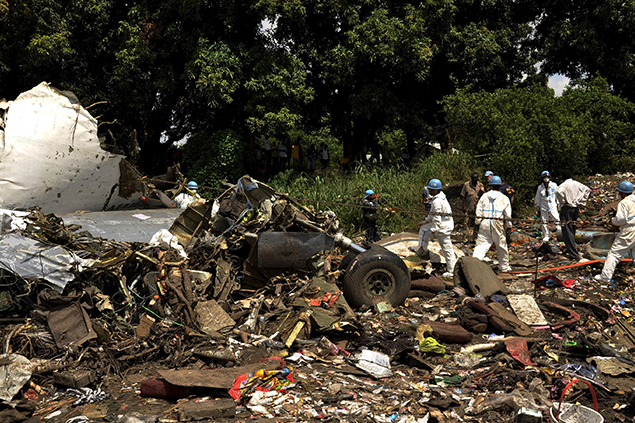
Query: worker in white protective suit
{"points": [[438, 223], [492, 208], [187, 197], [625, 240], [546, 204]]}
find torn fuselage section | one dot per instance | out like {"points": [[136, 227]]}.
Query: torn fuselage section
{"points": [[50, 155]]}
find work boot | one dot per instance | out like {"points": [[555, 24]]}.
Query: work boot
{"points": [[419, 251], [448, 275], [424, 254], [599, 278]]}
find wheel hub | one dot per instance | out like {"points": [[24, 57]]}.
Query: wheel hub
{"points": [[379, 282]]}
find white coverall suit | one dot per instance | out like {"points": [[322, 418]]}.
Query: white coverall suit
{"points": [[492, 231], [625, 240], [546, 201], [441, 224], [184, 199]]}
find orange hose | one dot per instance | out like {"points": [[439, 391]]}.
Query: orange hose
{"points": [[568, 266]]}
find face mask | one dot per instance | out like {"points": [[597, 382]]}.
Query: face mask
{"points": [[546, 180]]}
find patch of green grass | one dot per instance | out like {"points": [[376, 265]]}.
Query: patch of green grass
{"points": [[399, 188]]}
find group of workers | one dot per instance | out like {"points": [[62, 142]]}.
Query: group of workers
{"points": [[485, 210], [489, 216]]}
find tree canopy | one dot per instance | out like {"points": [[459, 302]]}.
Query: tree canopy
{"points": [[464, 73], [523, 131]]}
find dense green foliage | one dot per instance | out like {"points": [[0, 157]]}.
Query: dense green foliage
{"points": [[589, 37], [343, 193], [523, 131], [354, 74], [214, 159]]}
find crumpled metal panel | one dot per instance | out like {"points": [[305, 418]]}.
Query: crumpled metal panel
{"points": [[29, 258], [124, 225], [192, 220], [290, 249], [211, 317], [51, 156]]}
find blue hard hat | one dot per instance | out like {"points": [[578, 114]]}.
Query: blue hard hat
{"points": [[434, 184], [488, 173], [496, 180], [192, 185], [545, 173], [626, 187], [369, 192]]}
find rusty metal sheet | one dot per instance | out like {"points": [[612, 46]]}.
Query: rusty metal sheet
{"points": [[216, 378], [290, 249], [224, 282], [211, 317], [191, 222]]}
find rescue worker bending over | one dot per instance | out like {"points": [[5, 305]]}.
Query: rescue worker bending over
{"points": [[492, 207], [625, 240], [546, 204], [440, 223], [188, 196]]}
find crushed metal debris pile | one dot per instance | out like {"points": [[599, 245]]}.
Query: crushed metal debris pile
{"points": [[253, 306]]}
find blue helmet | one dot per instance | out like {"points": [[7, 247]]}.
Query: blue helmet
{"points": [[192, 185], [434, 184], [626, 187], [369, 192], [545, 173], [496, 180], [489, 173]]}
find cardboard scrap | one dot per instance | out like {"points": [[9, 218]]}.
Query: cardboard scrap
{"points": [[526, 309]]}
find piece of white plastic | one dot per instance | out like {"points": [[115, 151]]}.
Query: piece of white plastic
{"points": [[14, 375]]}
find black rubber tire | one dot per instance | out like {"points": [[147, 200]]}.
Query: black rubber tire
{"points": [[347, 259], [376, 276]]}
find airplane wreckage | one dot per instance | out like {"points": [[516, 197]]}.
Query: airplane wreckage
{"points": [[51, 158], [237, 296]]}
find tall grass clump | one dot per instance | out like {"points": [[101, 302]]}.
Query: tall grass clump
{"points": [[399, 188]]}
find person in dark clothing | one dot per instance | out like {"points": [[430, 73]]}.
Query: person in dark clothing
{"points": [[369, 216], [570, 195], [508, 191], [471, 193], [323, 155], [310, 156]]}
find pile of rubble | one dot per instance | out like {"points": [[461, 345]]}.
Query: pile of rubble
{"points": [[254, 307]]}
